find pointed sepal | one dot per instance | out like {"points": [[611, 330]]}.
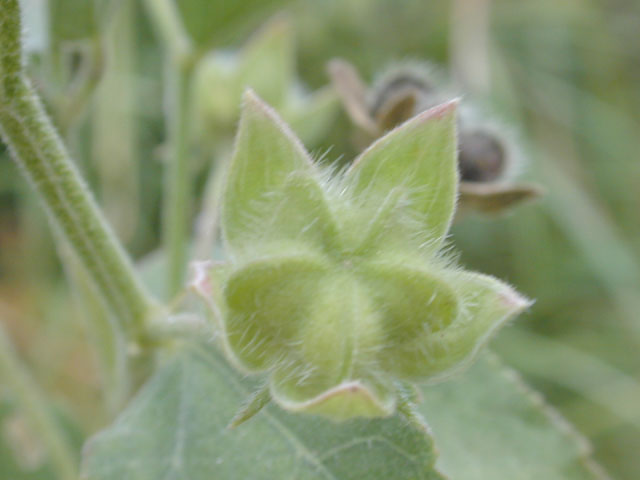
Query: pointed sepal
{"points": [[419, 159], [256, 402], [494, 198], [348, 399], [487, 304], [272, 194]]}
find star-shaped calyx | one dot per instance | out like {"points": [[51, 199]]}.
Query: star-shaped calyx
{"points": [[336, 283]]}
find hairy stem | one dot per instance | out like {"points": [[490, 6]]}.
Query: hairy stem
{"points": [[37, 149], [179, 70], [32, 404]]}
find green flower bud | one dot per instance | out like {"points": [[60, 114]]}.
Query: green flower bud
{"points": [[265, 64], [337, 285]]}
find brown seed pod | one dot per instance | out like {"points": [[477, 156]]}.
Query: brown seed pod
{"points": [[488, 157], [482, 157], [403, 91]]}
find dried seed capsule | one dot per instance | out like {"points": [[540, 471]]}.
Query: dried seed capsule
{"points": [[488, 156], [481, 157], [417, 81]]}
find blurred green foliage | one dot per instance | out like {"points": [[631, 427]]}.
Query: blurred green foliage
{"points": [[565, 74]]}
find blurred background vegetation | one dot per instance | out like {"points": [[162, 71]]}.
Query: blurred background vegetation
{"points": [[566, 75]]}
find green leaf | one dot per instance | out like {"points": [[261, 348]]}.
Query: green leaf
{"points": [[557, 362], [489, 425], [272, 195], [486, 423], [177, 428], [418, 158]]}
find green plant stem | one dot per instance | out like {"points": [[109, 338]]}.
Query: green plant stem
{"points": [[179, 71], [111, 117], [469, 41], [31, 402], [177, 207], [166, 19], [40, 154]]}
